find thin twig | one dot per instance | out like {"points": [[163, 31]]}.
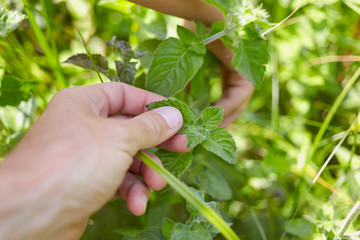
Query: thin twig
{"points": [[284, 20]]}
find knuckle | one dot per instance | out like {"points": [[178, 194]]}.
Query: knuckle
{"points": [[154, 125]]}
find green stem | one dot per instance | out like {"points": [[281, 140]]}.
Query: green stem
{"points": [[91, 59], [3, 127], [348, 220], [189, 196], [353, 148], [51, 58], [220, 35], [332, 112]]}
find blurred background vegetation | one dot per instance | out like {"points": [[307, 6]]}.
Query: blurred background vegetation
{"points": [[313, 56]]}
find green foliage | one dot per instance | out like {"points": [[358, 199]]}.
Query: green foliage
{"points": [[176, 163], [183, 232], [13, 91], [261, 192], [149, 234], [203, 129], [173, 66], [251, 56], [9, 21]]}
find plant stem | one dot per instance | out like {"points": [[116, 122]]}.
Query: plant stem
{"points": [[91, 59], [332, 112], [348, 220], [51, 58], [3, 127], [189, 196], [219, 35]]}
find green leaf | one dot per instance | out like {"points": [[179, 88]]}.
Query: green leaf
{"points": [[167, 228], [172, 67], [301, 228], [187, 114], [211, 180], [187, 36], [204, 130], [194, 135], [251, 56], [210, 118], [9, 21], [13, 91], [140, 81], [149, 234], [221, 143], [125, 72], [83, 60], [200, 28], [184, 232], [176, 163], [196, 219]]}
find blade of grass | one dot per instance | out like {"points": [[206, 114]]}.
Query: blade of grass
{"points": [[51, 58], [189, 196], [353, 148], [45, 7], [91, 59], [258, 224], [332, 112]]}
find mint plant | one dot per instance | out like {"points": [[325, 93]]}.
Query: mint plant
{"points": [[175, 63]]}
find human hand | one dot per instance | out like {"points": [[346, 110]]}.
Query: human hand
{"points": [[237, 91], [79, 155]]}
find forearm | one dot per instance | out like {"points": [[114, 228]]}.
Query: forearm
{"points": [[187, 9]]}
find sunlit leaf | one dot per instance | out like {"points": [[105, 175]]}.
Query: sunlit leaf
{"points": [[13, 91], [172, 67], [251, 56], [9, 21]]}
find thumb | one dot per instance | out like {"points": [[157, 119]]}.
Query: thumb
{"points": [[154, 127]]}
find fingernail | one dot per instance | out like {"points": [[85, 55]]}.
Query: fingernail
{"points": [[145, 200], [172, 116]]}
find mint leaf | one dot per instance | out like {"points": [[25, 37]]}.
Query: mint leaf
{"points": [[125, 72], [200, 29], [187, 114], [167, 228], [184, 232], [197, 220], [210, 118], [194, 135], [211, 180], [13, 91], [172, 67], [148, 234], [83, 60], [203, 129], [176, 163], [9, 21], [187, 36], [251, 56], [221, 143]]}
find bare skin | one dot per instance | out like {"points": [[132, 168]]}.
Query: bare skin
{"points": [[80, 153], [237, 90], [77, 157]]}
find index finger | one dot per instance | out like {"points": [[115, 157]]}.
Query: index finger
{"points": [[113, 97]]}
